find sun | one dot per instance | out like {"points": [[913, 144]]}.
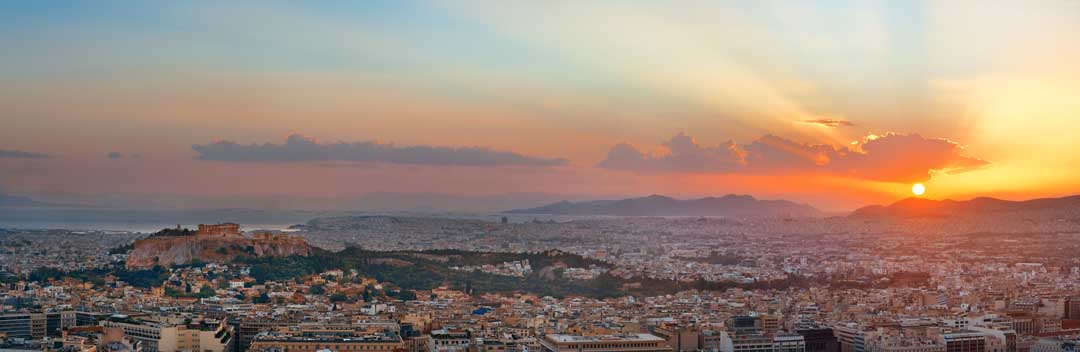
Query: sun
{"points": [[918, 189]]}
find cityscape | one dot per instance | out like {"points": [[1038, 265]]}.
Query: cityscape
{"points": [[479, 176], [408, 283]]}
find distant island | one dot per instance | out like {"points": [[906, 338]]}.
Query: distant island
{"points": [[656, 205]]}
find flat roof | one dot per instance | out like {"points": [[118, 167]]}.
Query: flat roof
{"points": [[328, 338], [560, 338]]}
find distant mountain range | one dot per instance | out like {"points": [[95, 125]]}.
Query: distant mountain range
{"points": [[656, 205], [54, 206], [917, 207], [7, 200]]}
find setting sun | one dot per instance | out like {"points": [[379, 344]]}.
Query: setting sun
{"points": [[918, 189]]}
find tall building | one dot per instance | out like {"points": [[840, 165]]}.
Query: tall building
{"points": [[680, 338], [16, 325], [964, 341], [904, 338], [851, 338], [789, 343], [248, 327], [175, 333], [734, 342], [1072, 307], [449, 340], [36, 325], [749, 334], [1056, 344], [820, 340], [770, 323]]}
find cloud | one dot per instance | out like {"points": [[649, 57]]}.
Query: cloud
{"points": [[685, 154], [298, 148], [890, 157], [908, 158], [831, 123], [114, 155], [22, 154]]}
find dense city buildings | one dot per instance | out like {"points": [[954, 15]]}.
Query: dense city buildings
{"points": [[594, 284]]}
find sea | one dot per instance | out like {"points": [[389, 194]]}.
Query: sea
{"points": [[152, 220]]}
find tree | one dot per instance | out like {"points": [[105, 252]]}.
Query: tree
{"points": [[407, 295], [317, 290], [206, 291], [338, 297], [172, 292]]}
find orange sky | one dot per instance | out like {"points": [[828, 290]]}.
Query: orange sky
{"points": [[987, 88]]}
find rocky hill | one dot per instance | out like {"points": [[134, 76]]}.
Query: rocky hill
{"points": [[176, 248]]}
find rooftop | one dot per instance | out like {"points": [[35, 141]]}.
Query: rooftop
{"points": [[603, 338]]}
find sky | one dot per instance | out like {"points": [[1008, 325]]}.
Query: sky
{"points": [[834, 103]]}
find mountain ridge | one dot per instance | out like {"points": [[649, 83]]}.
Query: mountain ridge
{"points": [[731, 205], [920, 207]]}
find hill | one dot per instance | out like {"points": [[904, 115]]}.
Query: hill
{"points": [[917, 207], [656, 205], [177, 247]]}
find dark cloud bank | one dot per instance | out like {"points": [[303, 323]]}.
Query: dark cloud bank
{"points": [[298, 148], [892, 157]]}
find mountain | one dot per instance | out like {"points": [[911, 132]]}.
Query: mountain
{"points": [[656, 205], [917, 207], [440, 202], [7, 200]]}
